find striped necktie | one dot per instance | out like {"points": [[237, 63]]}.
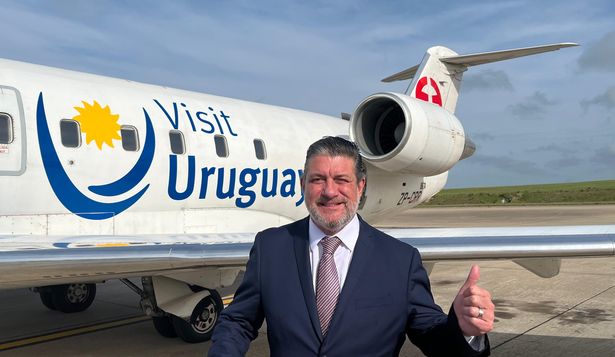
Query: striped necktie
{"points": [[327, 283]]}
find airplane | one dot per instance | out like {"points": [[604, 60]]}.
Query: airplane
{"points": [[104, 178]]}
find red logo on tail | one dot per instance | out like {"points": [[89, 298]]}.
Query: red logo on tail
{"points": [[429, 95]]}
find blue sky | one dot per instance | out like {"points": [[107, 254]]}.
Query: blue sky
{"points": [[538, 119]]}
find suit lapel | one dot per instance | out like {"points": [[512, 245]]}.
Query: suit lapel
{"points": [[360, 260], [301, 243]]}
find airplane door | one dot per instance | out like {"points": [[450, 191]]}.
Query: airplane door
{"points": [[12, 133]]}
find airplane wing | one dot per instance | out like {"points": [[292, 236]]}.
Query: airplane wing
{"points": [[537, 249], [32, 261], [27, 261]]}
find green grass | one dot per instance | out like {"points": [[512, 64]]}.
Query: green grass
{"points": [[593, 192]]}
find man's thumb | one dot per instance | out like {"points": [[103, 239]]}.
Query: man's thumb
{"points": [[472, 278]]}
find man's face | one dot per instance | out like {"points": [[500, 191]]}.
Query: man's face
{"points": [[331, 191]]}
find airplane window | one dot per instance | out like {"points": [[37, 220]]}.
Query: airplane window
{"points": [[177, 142], [259, 149], [130, 138], [70, 133], [221, 146], [6, 129]]}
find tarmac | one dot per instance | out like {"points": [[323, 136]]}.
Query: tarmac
{"points": [[572, 314]]}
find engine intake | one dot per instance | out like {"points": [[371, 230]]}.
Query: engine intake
{"points": [[398, 133]]}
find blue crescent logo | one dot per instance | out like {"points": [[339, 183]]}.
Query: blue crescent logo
{"points": [[70, 196]]}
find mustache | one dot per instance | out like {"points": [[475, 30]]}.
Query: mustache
{"points": [[328, 201]]}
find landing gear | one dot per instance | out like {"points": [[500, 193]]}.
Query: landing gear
{"points": [[179, 309], [68, 298], [200, 328]]}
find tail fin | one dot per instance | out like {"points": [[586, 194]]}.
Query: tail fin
{"points": [[439, 74]]}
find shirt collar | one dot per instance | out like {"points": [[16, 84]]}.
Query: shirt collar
{"points": [[348, 235]]}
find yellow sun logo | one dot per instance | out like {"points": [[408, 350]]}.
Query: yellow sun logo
{"points": [[98, 124]]}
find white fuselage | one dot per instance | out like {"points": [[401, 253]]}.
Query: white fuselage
{"points": [[198, 191]]}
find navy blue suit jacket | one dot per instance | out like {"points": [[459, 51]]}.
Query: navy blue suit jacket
{"points": [[386, 296]]}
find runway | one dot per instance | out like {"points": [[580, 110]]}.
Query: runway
{"points": [[572, 314]]}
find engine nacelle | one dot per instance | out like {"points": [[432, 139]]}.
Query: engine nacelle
{"points": [[398, 133]]}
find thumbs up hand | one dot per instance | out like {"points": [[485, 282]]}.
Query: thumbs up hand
{"points": [[473, 306]]}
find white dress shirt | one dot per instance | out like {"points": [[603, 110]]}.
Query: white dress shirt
{"points": [[343, 254]]}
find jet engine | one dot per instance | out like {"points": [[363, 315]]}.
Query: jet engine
{"points": [[398, 133]]}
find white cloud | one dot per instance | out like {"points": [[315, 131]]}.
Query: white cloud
{"points": [[532, 107], [600, 56], [606, 99], [487, 80]]}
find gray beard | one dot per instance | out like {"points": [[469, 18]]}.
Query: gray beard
{"points": [[334, 226]]}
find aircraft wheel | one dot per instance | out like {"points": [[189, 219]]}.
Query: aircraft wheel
{"points": [[204, 318], [72, 297], [164, 326], [47, 300]]}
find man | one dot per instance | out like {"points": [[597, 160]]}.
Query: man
{"points": [[332, 285]]}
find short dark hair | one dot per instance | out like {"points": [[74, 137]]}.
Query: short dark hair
{"points": [[336, 146]]}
